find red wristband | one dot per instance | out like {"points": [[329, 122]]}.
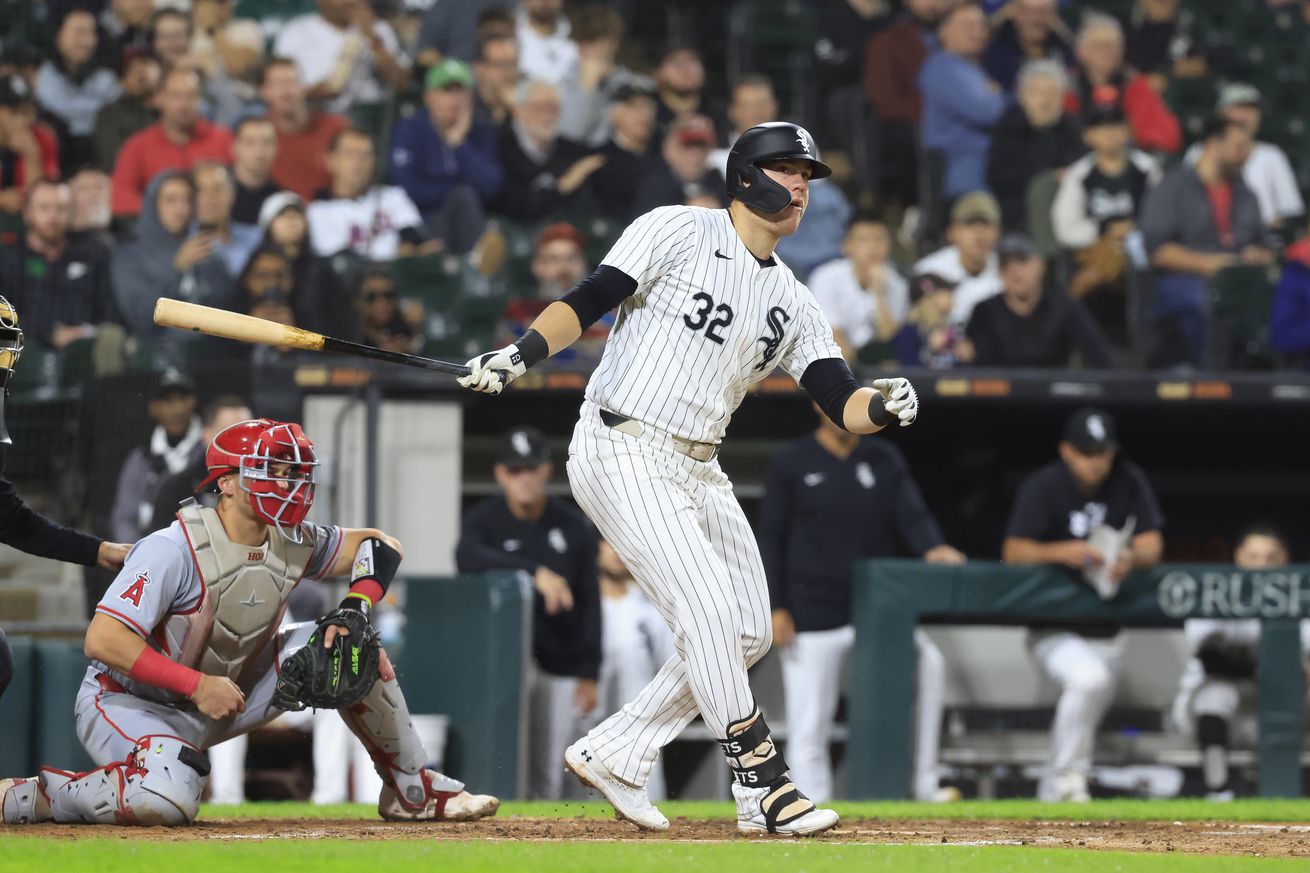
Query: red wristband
{"points": [[369, 589], [152, 668]]}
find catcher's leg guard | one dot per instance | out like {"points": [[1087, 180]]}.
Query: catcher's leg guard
{"points": [[160, 783], [410, 792]]}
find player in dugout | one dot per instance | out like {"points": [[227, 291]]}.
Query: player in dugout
{"points": [[185, 650], [524, 528], [1056, 511], [831, 499], [20, 526]]}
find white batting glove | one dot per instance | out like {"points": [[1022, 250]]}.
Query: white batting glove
{"points": [[899, 398], [491, 372]]}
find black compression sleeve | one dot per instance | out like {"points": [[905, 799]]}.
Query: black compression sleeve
{"points": [[830, 383], [600, 292]]}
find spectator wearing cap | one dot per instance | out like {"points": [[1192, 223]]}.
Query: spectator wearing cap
{"points": [[29, 152], [930, 338], [73, 88], [456, 30], [546, 47], [1030, 325], [628, 154], [60, 284], [495, 78], [179, 140], [345, 54], [1200, 219], [585, 94], [680, 88], [385, 321], [892, 61], [862, 296], [133, 111], [121, 28], [1267, 172], [559, 262], [1096, 208], [377, 222], [165, 258], [254, 151], [960, 104], [172, 446], [685, 167], [968, 261], [1103, 78], [1055, 512], [1032, 136], [446, 163], [304, 136], [544, 172], [1032, 31], [552, 544], [318, 300], [751, 102]]}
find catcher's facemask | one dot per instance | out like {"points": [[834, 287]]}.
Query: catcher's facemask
{"points": [[274, 462]]}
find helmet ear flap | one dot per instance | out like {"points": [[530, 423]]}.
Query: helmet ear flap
{"points": [[761, 193]]}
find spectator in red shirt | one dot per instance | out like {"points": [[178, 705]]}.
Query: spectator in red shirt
{"points": [[892, 62], [304, 138], [179, 140], [28, 152], [1103, 78]]}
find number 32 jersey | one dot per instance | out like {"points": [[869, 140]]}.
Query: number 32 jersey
{"points": [[706, 321]]}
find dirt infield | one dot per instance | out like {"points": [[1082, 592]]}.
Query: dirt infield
{"points": [[1212, 838]]}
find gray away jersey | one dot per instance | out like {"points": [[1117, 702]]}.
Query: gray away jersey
{"points": [[705, 323], [159, 591]]}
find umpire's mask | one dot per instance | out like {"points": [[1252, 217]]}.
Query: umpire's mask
{"points": [[11, 341]]}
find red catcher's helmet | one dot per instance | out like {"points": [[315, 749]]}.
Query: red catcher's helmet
{"points": [[275, 464]]}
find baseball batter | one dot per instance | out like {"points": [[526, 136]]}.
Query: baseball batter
{"points": [[705, 310], [186, 649]]}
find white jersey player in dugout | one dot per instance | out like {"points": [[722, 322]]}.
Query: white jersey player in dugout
{"points": [[705, 311]]}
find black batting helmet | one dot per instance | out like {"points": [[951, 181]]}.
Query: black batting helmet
{"points": [[775, 141]]}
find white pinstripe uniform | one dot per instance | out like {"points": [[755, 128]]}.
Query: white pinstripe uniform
{"points": [[707, 320]]}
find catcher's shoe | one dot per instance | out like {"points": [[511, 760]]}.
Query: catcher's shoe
{"points": [[23, 802], [630, 803], [444, 800], [779, 809]]}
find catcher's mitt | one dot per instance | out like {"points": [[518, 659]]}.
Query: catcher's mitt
{"points": [[335, 677]]}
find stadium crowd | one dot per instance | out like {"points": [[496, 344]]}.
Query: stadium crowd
{"points": [[1020, 183]]}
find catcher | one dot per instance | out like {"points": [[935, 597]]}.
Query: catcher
{"points": [[185, 651]]}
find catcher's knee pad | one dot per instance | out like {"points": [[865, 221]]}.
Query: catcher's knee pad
{"points": [[160, 783], [752, 756]]}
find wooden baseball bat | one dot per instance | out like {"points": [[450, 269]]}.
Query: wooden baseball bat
{"points": [[247, 329]]}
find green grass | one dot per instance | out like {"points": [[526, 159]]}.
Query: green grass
{"points": [[1031, 810], [101, 855]]}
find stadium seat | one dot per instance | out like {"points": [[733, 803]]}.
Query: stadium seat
{"points": [[1241, 298]]}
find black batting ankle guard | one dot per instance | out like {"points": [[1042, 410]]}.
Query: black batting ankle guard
{"points": [[754, 759]]}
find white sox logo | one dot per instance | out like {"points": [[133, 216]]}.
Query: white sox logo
{"points": [[803, 138], [776, 318]]}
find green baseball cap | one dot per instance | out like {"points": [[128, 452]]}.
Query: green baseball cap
{"points": [[451, 71]]}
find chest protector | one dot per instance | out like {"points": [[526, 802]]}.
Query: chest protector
{"points": [[246, 591]]}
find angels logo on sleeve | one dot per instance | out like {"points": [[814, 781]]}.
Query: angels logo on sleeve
{"points": [[134, 591]]}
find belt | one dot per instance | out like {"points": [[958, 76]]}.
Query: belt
{"points": [[630, 426]]}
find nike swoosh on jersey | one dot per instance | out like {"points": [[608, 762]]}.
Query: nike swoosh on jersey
{"points": [[719, 254]]}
